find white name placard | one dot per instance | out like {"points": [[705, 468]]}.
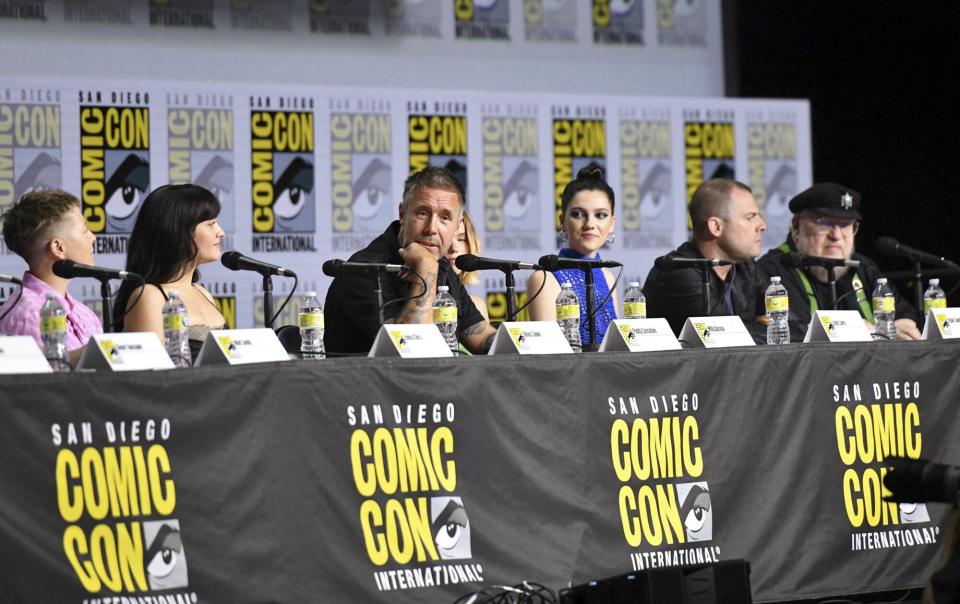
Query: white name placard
{"points": [[131, 351], [241, 347], [837, 326], [530, 337], [715, 332], [639, 335], [20, 354], [409, 341], [942, 324]]}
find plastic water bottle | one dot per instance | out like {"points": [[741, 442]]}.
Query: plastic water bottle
{"points": [[445, 317], [934, 297], [311, 324], [568, 315], [175, 329], [634, 304], [884, 307], [777, 304], [53, 333]]}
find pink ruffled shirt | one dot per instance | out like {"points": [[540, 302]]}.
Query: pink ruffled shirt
{"points": [[24, 318]]}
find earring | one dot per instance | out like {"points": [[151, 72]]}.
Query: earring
{"points": [[563, 236], [611, 238]]}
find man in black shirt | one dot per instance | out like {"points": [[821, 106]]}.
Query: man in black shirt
{"points": [[825, 220], [430, 214], [726, 225]]}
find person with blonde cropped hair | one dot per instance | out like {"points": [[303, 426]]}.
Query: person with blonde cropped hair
{"points": [[466, 241]]}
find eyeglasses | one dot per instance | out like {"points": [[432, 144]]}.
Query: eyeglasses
{"points": [[825, 224]]}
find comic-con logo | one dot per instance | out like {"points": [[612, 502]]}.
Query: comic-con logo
{"points": [[361, 174], [868, 432], [407, 477], [617, 21], [118, 502], [576, 143], [511, 176], [772, 167], [281, 158], [663, 498], [200, 151], [30, 150], [114, 166], [682, 22], [439, 140], [709, 152], [482, 19], [646, 174]]}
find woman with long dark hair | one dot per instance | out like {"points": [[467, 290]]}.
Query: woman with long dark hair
{"points": [[176, 231]]}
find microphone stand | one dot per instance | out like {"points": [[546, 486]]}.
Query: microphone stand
{"points": [[511, 294], [832, 280], [918, 293], [267, 301], [706, 289], [590, 346], [379, 292], [105, 309]]}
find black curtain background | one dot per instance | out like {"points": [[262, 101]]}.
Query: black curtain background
{"points": [[880, 80]]}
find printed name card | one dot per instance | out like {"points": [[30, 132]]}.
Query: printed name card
{"points": [[942, 324], [241, 347], [715, 332], [530, 337], [639, 335], [20, 354], [132, 351], [415, 341], [837, 326]]}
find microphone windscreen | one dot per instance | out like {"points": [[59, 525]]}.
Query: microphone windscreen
{"points": [[888, 245], [231, 260], [466, 262], [331, 268], [793, 260], [549, 262], [63, 268]]}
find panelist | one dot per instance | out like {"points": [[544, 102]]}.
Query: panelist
{"points": [[587, 205], [42, 228], [826, 218], [466, 241], [727, 225], [430, 215], [176, 231]]}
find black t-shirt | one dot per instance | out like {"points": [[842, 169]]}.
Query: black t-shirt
{"points": [[773, 263], [678, 294], [350, 311]]}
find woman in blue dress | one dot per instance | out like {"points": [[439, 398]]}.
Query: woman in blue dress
{"points": [[587, 204]]}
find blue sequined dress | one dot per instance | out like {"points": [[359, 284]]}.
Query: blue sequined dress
{"points": [[575, 276]]}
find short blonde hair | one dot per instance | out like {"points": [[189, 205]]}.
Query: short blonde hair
{"points": [[473, 247]]}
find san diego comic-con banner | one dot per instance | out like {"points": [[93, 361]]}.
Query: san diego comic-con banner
{"points": [[301, 483], [305, 174]]}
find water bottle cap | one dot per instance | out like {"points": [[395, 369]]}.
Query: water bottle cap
{"points": [[443, 288], [882, 281], [633, 284], [566, 284], [173, 292], [309, 294], [775, 279], [934, 282]]}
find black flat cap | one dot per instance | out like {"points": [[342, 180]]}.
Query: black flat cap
{"points": [[828, 198]]}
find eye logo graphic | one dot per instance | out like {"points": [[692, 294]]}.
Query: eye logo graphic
{"points": [[696, 511], [399, 340], [703, 331], [165, 559], [827, 324], [111, 352], [451, 528], [229, 347], [912, 513]]}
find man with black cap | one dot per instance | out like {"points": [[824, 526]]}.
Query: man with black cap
{"points": [[825, 220]]}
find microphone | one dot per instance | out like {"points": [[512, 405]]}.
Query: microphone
{"points": [[796, 260], [10, 279], [919, 480], [889, 245], [469, 262], [672, 263], [553, 262], [236, 261], [68, 269], [333, 268]]}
